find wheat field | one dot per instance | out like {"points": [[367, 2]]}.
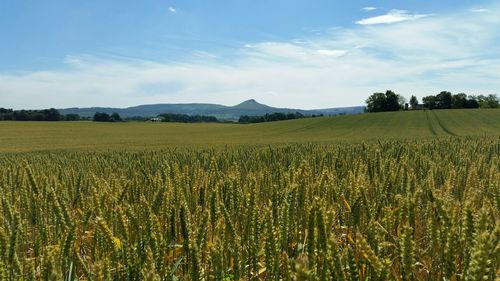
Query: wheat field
{"points": [[386, 210], [138, 136]]}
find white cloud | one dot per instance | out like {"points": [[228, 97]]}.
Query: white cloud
{"points": [[456, 52], [277, 50], [295, 52], [367, 9], [479, 10], [393, 16], [332, 53], [172, 9]]}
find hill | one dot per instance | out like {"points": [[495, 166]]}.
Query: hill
{"points": [[27, 136], [249, 107]]}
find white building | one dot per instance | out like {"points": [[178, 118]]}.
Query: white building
{"points": [[156, 119]]}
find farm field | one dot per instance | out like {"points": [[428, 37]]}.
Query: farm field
{"points": [[30, 136], [389, 196]]}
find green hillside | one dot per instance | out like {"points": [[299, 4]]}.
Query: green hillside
{"points": [[26, 136]]}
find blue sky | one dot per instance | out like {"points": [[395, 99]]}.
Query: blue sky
{"points": [[306, 54]]}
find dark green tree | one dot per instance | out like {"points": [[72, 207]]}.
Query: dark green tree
{"points": [[413, 102], [472, 102], [459, 101], [6, 114], [71, 117], [115, 117], [490, 101], [101, 117], [277, 116], [30, 115], [429, 102], [392, 101], [22, 115], [51, 114], [443, 100], [389, 101], [185, 118], [375, 102]]}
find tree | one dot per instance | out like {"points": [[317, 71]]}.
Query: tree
{"points": [[270, 117], [101, 117], [38, 116], [115, 117], [413, 102], [472, 102], [51, 114], [170, 117], [71, 117], [459, 101], [389, 101], [392, 101], [443, 100], [244, 119], [491, 101], [104, 117], [429, 102], [21, 115], [402, 102], [6, 114], [30, 115], [375, 102]]}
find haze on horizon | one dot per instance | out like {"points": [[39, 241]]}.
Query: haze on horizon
{"points": [[296, 54]]}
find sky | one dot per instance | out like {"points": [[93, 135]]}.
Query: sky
{"points": [[285, 53]]}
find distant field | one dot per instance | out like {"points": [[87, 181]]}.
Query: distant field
{"points": [[29, 136]]}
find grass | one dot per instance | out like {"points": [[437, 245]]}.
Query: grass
{"points": [[32, 136]]}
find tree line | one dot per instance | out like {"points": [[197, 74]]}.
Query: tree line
{"points": [[53, 114], [379, 102], [185, 118], [446, 100], [36, 115], [390, 101], [104, 117], [270, 117]]}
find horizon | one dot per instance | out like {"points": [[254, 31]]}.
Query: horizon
{"points": [[286, 54], [182, 103], [194, 103]]}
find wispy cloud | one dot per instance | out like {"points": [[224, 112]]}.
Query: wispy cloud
{"points": [[367, 9], [393, 16], [332, 53], [456, 52], [295, 52], [479, 10], [172, 9]]}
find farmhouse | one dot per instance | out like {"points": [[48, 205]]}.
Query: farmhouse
{"points": [[156, 119]]}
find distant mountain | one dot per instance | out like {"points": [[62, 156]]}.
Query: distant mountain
{"points": [[249, 107], [252, 105]]}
